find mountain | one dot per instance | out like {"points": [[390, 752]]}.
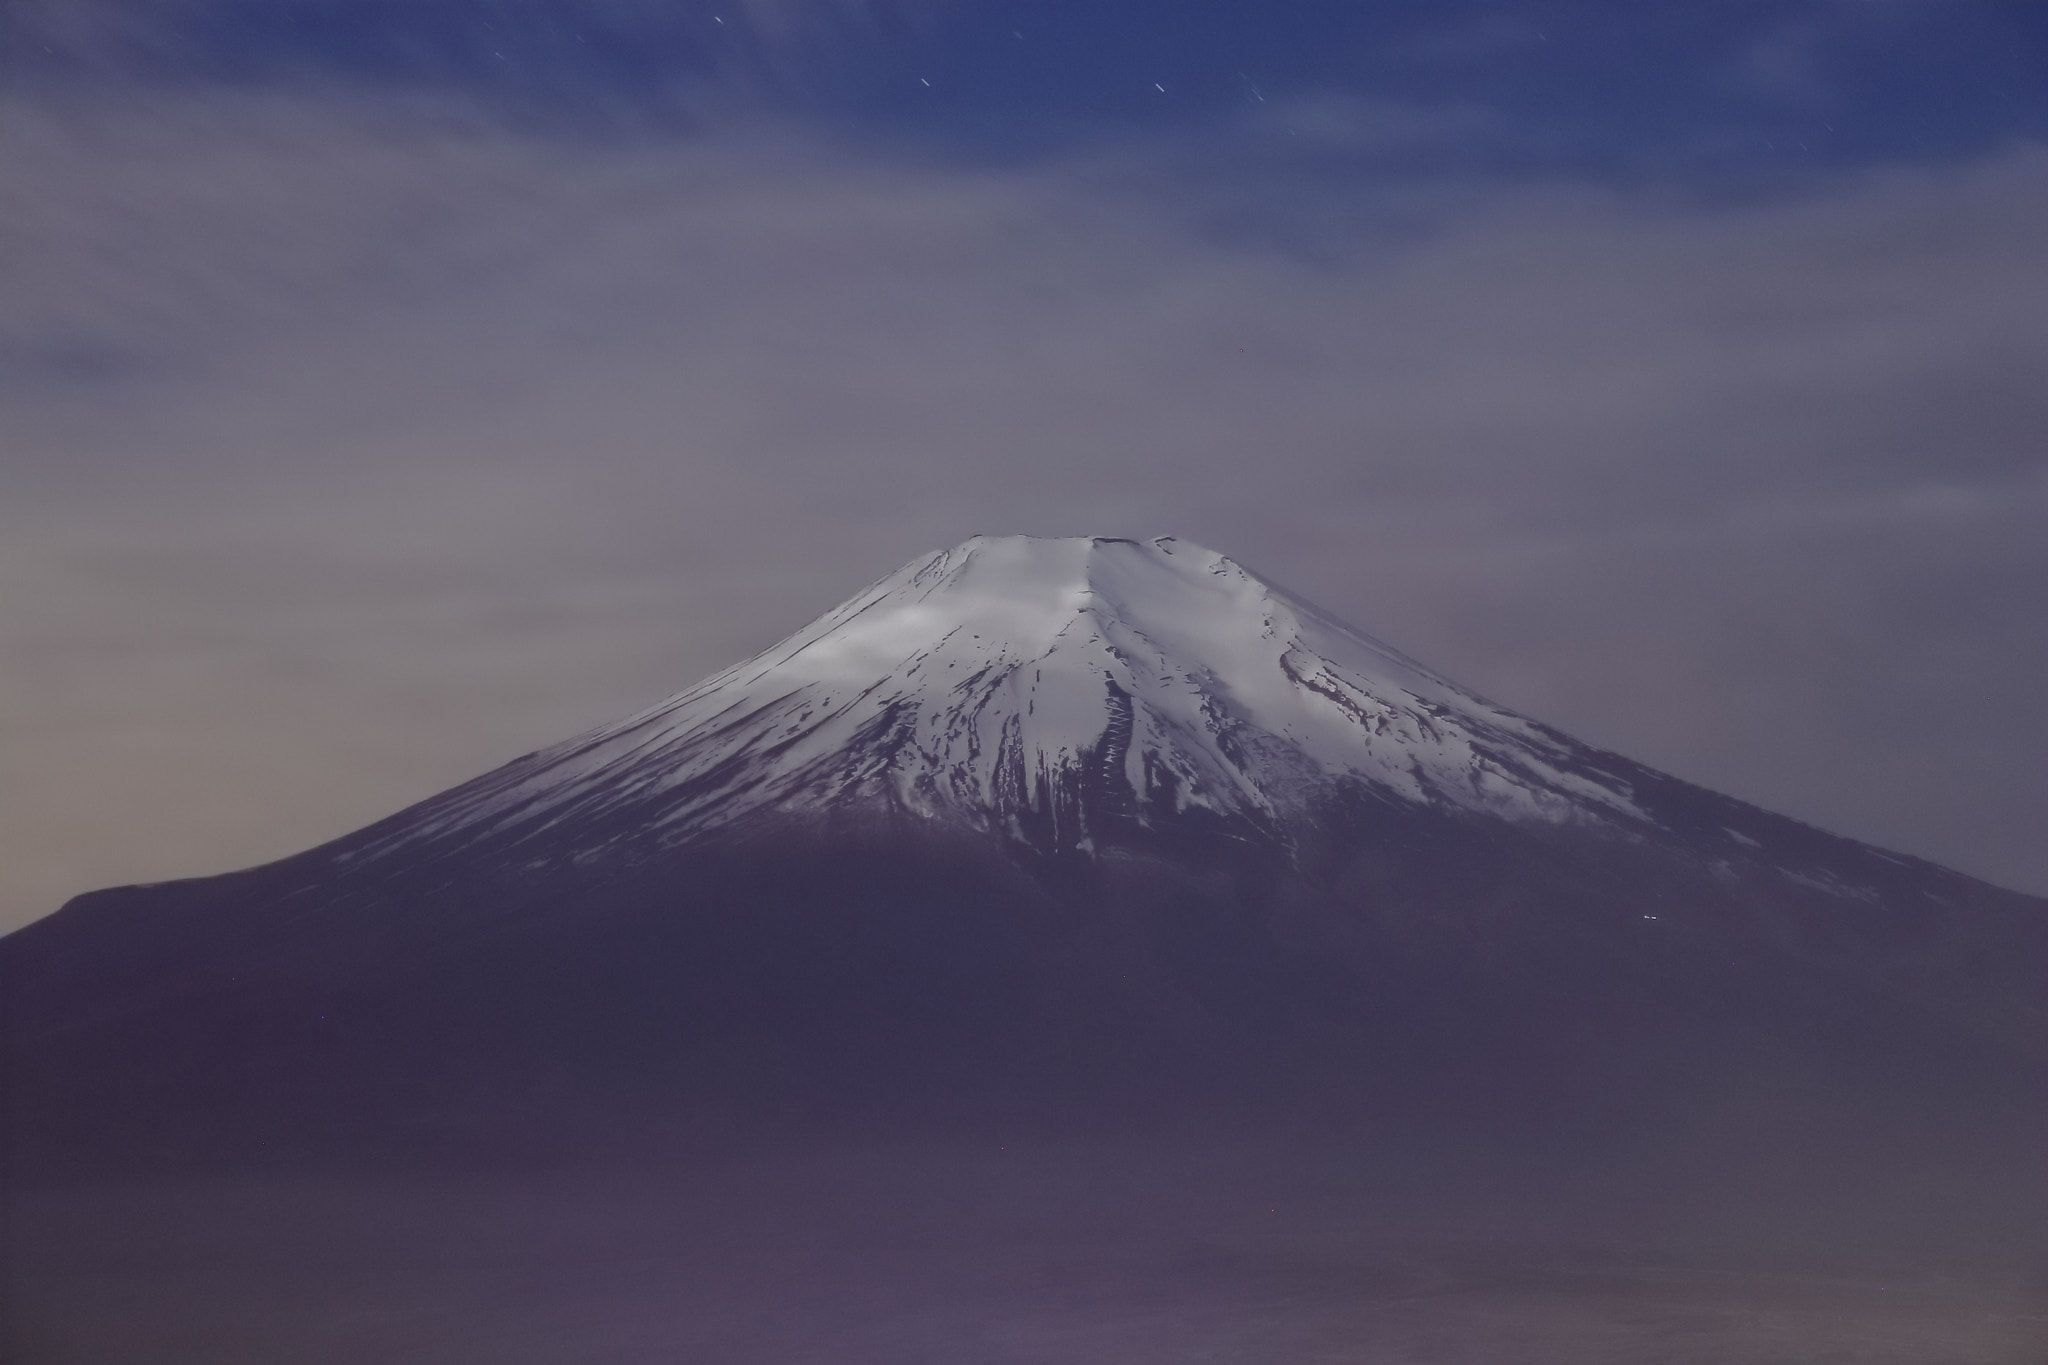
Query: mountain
{"points": [[1090, 830], [1066, 950]]}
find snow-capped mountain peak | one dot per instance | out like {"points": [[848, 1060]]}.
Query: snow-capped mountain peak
{"points": [[1038, 687]]}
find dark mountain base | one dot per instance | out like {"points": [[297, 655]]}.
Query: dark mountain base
{"points": [[887, 1097], [1451, 984]]}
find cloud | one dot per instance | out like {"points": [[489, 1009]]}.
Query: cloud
{"points": [[353, 450], [639, 52]]}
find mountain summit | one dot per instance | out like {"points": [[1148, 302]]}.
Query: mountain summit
{"points": [[1047, 690]]}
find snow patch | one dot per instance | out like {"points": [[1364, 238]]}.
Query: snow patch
{"points": [[984, 681]]}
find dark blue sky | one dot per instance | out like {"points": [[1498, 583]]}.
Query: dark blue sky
{"points": [[1644, 87]]}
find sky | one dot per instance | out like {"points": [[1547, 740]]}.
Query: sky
{"points": [[389, 389]]}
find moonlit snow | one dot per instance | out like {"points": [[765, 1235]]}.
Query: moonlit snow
{"points": [[982, 679]]}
